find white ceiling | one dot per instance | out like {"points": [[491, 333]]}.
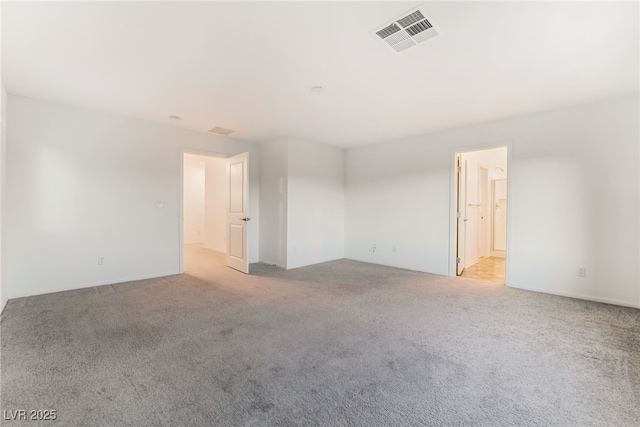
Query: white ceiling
{"points": [[249, 66]]}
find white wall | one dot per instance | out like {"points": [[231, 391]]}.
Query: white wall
{"points": [[315, 231], [3, 138], [273, 202], [193, 199], [82, 184], [215, 209], [3, 122], [573, 202]]}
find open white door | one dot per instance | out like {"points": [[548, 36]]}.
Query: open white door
{"points": [[237, 218], [461, 180]]}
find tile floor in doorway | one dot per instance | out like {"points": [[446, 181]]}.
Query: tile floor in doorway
{"points": [[492, 269]]}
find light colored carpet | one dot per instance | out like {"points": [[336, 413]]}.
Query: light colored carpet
{"points": [[337, 344]]}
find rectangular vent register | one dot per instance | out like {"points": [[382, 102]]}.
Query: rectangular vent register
{"points": [[407, 31]]}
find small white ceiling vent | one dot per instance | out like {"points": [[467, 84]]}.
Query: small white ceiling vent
{"points": [[222, 131], [407, 31]]}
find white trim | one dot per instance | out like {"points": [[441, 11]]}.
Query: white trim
{"points": [[99, 283], [193, 243], [472, 263], [509, 175], [215, 250], [204, 153], [222, 251], [580, 296], [262, 261], [396, 266]]}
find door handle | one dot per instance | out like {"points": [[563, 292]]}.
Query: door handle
{"points": [[245, 219]]}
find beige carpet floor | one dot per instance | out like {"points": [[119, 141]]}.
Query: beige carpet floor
{"points": [[342, 343]]}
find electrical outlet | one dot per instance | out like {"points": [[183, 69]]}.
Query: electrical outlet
{"points": [[395, 249], [100, 260], [582, 272], [373, 248]]}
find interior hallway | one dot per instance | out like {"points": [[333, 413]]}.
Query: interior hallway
{"points": [[492, 269]]}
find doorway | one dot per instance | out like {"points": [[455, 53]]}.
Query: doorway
{"points": [[214, 213], [204, 197], [480, 216]]}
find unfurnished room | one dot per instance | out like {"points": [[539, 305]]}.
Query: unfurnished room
{"points": [[331, 213]]}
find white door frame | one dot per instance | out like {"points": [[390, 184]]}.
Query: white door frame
{"points": [[181, 189], [461, 210], [453, 195]]}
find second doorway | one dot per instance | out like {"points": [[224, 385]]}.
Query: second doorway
{"points": [[481, 214], [205, 195]]}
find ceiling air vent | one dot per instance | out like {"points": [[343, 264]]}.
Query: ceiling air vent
{"points": [[407, 31], [222, 131]]}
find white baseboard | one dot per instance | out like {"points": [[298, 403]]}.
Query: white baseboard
{"points": [[446, 274], [543, 291], [499, 254], [264, 261], [474, 262], [193, 243], [211, 248], [94, 284], [580, 296]]}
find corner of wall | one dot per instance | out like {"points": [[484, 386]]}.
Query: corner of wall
{"points": [[316, 197], [273, 201]]}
